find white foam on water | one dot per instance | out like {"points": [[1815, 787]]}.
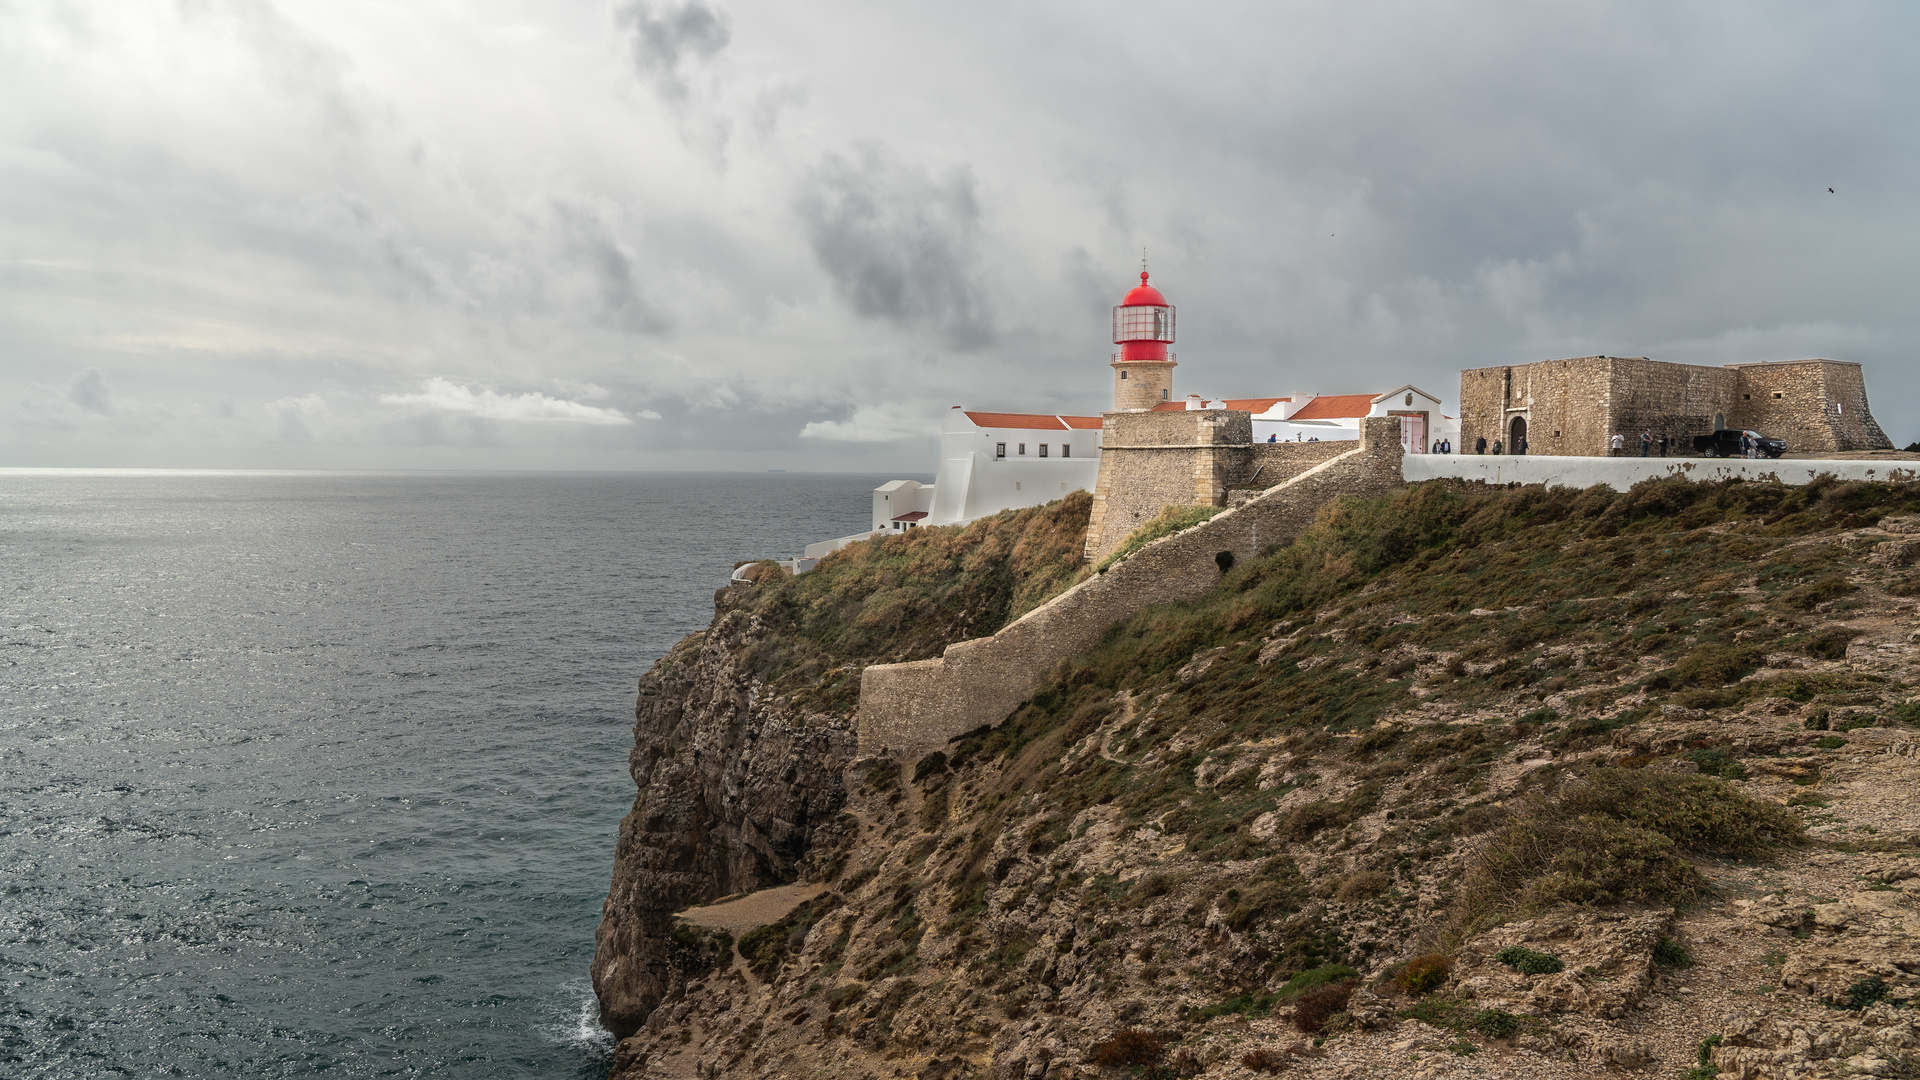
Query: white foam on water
{"points": [[578, 1024]]}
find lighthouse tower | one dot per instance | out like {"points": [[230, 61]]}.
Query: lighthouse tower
{"points": [[1143, 368]]}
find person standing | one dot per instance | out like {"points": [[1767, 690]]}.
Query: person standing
{"points": [[1617, 446], [1480, 445], [1663, 446], [1646, 442], [1496, 446]]}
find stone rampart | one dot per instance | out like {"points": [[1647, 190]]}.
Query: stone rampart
{"points": [[1574, 407], [909, 709], [1267, 464], [1815, 405]]}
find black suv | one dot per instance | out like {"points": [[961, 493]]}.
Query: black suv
{"points": [[1726, 443]]}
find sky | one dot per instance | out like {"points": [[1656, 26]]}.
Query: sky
{"points": [[743, 234]]}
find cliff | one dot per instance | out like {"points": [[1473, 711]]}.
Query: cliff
{"points": [[1522, 783], [741, 732]]}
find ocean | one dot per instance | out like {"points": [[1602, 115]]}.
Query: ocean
{"points": [[319, 773]]}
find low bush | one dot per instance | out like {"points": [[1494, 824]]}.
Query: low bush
{"points": [[1616, 836], [1173, 519], [1495, 1023], [1362, 886], [1129, 1047], [1264, 1060], [1324, 975], [1861, 994], [1315, 1007], [1425, 974], [1671, 954], [1817, 592], [1528, 962]]}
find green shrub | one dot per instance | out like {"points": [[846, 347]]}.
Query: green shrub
{"points": [[1861, 994], [763, 948], [1817, 592], [1425, 974], [1307, 980], [1831, 643], [1616, 836], [1671, 954], [1495, 1024], [1830, 742], [1528, 962]]}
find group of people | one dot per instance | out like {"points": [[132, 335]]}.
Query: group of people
{"points": [[1617, 446], [1519, 447]]}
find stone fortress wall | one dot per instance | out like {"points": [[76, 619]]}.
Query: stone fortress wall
{"points": [[1194, 457], [912, 708], [1573, 407], [1813, 404]]}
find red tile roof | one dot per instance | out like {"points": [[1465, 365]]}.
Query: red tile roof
{"points": [[1336, 407], [915, 516], [1255, 405], [1031, 420]]}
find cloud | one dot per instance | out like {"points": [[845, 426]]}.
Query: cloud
{"points": [[88, 392], [667, 36], [442, 395], [874, 424], [900, 244]]}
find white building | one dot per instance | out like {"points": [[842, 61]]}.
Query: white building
{"points": [[1304, 417], [990, 462]]}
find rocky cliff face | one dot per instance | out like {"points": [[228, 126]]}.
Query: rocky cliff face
{"points": [[1513, 784], [734, 791], [741, 733]]}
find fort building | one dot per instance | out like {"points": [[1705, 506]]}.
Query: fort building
{"points": [[1575, 407]]}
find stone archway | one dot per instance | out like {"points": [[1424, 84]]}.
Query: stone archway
{"points": [[1517, 435], [1719, 422]]}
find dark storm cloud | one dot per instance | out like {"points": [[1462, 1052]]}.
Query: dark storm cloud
{"points": [[665, 37], [900, 244]]}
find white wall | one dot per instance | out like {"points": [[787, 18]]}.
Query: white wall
{"points": [[897, 497], [1622, 473]]}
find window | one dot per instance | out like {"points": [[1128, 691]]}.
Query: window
{"points": [[1746, 397], [1409, 400], [999, 450], [1163, 395], [1066, 449], [1023, 449], [1123, 374], [1777, 395], [1043, 449]]}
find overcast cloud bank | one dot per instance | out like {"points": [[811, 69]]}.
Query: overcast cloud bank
{"points": [[707, 234]]}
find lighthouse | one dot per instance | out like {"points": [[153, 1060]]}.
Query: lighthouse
{"points": [[1143, 368]]}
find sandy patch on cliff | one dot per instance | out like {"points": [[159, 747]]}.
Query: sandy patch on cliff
{"points": [[753, 909]]}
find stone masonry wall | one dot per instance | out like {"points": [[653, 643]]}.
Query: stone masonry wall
{"points": [[1266, 464], [1153, 460], [1796, 401], [909, 709], [1678, 401], [1573, 407]]}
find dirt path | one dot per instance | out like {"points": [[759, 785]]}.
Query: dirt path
{"points": [[754, 909]]}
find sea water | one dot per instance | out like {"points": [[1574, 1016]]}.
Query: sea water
{"points": [[319, 774]]}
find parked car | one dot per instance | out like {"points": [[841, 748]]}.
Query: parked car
{"points": [[1726, 443]]}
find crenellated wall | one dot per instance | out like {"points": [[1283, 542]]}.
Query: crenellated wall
{"points": [[912, 708]]}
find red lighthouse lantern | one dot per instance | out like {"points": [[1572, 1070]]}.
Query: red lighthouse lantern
{"points": [[1143, 368]]}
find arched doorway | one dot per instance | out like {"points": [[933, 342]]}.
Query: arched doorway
{"points": [[1517, 436], [1719, 422]]}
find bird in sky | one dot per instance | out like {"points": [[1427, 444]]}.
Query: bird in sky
{"points": [[1829, 191]]}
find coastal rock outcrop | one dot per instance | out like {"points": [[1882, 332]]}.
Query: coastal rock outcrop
{"points": [[734, 790]]}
